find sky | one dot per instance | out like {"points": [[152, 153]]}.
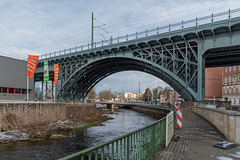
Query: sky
{"points": [[41, 26]]}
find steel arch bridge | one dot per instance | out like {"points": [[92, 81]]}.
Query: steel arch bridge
{"points": [[178, 56]]}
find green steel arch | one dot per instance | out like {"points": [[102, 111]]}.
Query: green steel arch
{"points": [[82, 81], [178, 56]]}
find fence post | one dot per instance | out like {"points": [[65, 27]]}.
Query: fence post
{"points": [[128, 146]]}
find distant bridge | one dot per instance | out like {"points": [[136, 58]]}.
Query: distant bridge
{"points": [[176, 53]]}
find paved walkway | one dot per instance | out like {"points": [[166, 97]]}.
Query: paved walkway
{"points": [[196, 142]]}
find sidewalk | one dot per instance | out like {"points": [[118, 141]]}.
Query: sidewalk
{"points": [[196, 142]]}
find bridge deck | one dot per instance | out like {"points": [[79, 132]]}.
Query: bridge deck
{"points": [[196, 142]]}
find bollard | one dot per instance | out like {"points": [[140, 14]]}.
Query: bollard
{"points": [[179, 118]]}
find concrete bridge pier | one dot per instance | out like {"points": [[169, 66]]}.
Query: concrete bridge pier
{"points": [[110, 106]]}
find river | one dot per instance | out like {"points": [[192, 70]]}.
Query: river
{"points": [[125, 121]]}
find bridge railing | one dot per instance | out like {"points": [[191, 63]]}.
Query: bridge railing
{"points": [[139, 144], [211, 19]]}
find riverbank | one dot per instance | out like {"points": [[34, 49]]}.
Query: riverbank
{"points": [[55, 130], [124, 121]]}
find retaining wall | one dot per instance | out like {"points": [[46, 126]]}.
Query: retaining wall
{"points": [[222, 104], [227, 122], [155, 111], [22, 115]]}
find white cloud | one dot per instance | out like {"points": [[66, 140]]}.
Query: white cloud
{"points": [[19, 53]]}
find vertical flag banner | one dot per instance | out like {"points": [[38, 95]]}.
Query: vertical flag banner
{"points": [[32, 64], [56, 72], [46, 73]]}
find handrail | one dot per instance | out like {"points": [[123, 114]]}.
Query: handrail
{"points": [[139, 144], [202, 20]]}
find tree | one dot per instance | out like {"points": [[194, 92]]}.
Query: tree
{"points": [[167, 93], [107, 95], [147, 96], [92, 94]]}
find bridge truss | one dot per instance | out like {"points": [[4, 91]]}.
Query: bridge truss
{"points": [[172, 63]]}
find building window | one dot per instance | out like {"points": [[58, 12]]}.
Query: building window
{"points": [[230, 69], [230, 90], [239, 68], [226, 79], [17, 90], [225, 69], [234, 78], [239, 77], [234, 89], [234, 101], [230, 78], [234, 68], [226, 90], [24, 91], [4, 90], [239, 101], [11, 90]]}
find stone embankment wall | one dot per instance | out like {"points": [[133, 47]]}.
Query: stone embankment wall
{"points": [[150, 110], [24, 115], [227, 122], [219, 104], [155, 111]]}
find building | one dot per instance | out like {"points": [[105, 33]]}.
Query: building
{"points": [[158, 95], [231, 84], [213, 83], [131, 96], [161, 95], [13, 79]]}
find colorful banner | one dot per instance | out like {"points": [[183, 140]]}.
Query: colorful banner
{"points": [[46, 72], [32, 64], [56, 72]]}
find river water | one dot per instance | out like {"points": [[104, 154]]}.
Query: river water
{"points": [[125, 121]]}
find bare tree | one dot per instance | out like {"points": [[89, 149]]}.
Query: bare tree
{"points": [[147, 95], [92, 94], [167, 94], [107, 95]]}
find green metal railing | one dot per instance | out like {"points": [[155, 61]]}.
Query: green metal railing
{"points": [[140, 144], [173, 108]]}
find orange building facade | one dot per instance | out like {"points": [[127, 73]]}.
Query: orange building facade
{"points": [[213, 83]]}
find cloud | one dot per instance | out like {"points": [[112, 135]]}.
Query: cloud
{"points": [[19, 53]]}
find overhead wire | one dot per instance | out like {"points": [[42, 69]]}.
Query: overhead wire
{"points": [[126, 27]]}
